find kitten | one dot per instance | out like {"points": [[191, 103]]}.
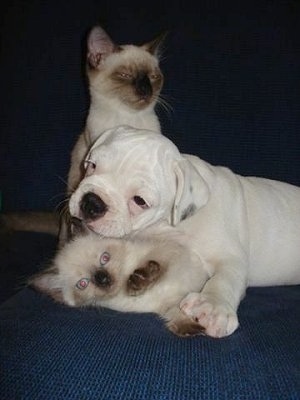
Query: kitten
{"points": [[125, 82], [134, 275]]}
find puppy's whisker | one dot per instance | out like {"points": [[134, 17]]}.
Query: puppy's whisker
{"points": [[62, 204], [60, 201], [62, 180], [64, 213]]}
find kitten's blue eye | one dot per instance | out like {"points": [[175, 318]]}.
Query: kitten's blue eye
{"points": [[125, 75], [104, 259], [83, 283]]}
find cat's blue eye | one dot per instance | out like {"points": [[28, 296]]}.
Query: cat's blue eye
{"points": [[82, 283], [154, 77], [104, 258], [125, 75]]}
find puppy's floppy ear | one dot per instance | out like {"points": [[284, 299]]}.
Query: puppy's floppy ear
{"points": [[192, 191], [48, 282]]}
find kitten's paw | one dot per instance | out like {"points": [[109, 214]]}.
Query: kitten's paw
{"points": [[217, 319]]}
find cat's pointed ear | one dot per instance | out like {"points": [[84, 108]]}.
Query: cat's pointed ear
{"points": [[49, 282], [99, 46], [155, 46]]}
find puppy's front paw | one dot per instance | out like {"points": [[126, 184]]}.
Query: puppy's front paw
{"points": [[217, 319], [185, 328]]}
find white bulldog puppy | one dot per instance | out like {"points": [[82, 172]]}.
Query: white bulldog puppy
{"points": [[137, 275], [246, 230], [130, 182]]}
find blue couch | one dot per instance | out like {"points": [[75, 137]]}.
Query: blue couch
{"points": [[232, 79]]}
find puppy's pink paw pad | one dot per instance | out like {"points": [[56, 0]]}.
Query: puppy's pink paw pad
{"points": [[217, 319]]}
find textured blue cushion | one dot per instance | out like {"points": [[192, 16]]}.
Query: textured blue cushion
{"points": [[51, 352]]}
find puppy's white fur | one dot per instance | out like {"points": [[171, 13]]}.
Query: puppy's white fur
{"points": [[142, 275], [246, 229]]}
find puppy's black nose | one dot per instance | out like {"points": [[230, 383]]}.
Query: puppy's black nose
{"points": [[103, 278], [92, 206]]}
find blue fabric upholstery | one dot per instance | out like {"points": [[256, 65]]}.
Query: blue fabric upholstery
{"points": [[232, 79], [52, 352]]}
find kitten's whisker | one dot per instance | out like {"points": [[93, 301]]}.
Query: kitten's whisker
{"points": [[161, 102]]}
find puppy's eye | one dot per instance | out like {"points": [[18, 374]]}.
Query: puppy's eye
{"points": [[104, 258], [140, 202], [89, 167], [89, 163]]}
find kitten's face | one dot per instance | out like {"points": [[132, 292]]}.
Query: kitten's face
{"points": [[129, 74], [145, 274], [93, 271]]}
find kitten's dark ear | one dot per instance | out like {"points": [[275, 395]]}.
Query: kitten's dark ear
{"points": [[155, 46], [48, 282], [99, 46]]}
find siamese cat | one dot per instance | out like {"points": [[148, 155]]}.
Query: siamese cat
{"points": [[125, 83], [136, 274]]}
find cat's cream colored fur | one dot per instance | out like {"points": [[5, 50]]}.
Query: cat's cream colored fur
{"points": [[142, 275], [124, 84]]}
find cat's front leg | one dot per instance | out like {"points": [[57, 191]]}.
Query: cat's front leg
{"points": [[180, 324], [215, 307]]}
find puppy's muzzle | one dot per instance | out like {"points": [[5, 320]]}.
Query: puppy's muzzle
{"points": [[92, 206]]}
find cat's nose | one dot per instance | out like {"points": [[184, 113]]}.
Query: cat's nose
{"points": [[102, 278], [143, 85], [92, 206]]}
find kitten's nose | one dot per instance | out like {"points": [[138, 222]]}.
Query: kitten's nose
{"points": [[92, 206], [103, 278], [143, 85]]}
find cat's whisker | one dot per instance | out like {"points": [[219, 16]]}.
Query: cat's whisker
{"points": [[164, 104]]}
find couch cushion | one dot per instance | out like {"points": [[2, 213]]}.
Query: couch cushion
{"points": [[50, 351]]}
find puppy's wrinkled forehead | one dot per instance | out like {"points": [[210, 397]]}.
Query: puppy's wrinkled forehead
{"points": [[128, 143]]}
